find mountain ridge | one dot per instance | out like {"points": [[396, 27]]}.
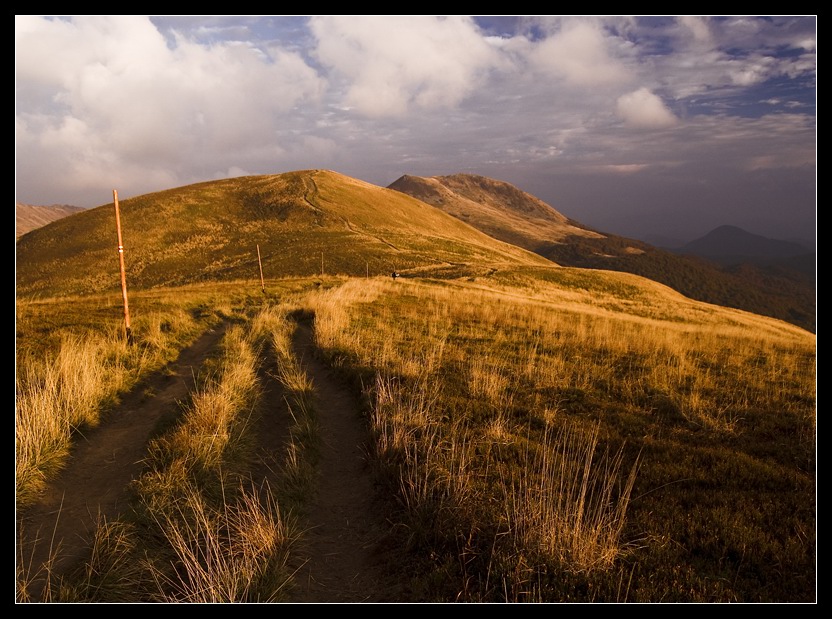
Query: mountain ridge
{"points": [[311, 222], [500, 209], [787, 294]]}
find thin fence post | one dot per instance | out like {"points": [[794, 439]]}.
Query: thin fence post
{"points": [[128, 332], [262, 283]]}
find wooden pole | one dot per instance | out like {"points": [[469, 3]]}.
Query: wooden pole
{"points": [[127, 330], [262, 283]]}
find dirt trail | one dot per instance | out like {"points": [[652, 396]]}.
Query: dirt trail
{"points": [[343, 558], [102, 464], [344, 544]]}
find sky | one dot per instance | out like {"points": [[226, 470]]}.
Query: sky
{"points": [[659, 128]]}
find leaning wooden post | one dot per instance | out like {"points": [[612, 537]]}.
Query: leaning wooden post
{"points": [[262, 283], [127, 330]]}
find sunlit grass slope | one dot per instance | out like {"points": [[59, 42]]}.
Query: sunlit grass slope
{"points": [[568, 435], [540, 433], [73, 364], [304, 223]]}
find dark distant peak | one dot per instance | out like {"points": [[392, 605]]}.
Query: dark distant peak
{"points": [[731, 233], [729, 228], [733, 241]]}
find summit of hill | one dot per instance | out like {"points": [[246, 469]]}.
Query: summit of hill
{"points": [[303, 223]]}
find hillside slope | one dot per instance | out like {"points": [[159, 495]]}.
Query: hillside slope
{"points": [[28, 217], [511, 215], [497, 208], [304, 223]]}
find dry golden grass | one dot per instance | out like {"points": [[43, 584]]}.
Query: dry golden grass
{"points": [[518, 390], [70, 388], [227, 541], [566, 502], [219, 411], [202, 533], [546, 435], [232, 554]]}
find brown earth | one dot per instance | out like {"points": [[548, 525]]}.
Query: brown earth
{"points": [[346, 557], [341, 558]]}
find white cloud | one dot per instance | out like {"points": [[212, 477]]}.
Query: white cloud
{"points": [[753, 70], [109, 94], [643, 109], [698, 29], [723, 56], [809, 44], [393, 64], [580, 54]]}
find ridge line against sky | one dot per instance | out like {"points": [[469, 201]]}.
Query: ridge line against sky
{"points": [[649, 127]]}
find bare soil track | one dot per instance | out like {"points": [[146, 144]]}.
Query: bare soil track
{"points": [[103, 462], [342, 558], [346, 559]]}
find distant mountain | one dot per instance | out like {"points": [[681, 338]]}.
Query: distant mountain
{"points": [[511, 215], [497, 208], [729, 244], [29, 216]]}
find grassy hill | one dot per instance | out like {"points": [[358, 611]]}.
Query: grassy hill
{"points": [[304, 222], [537, 433], [487, 372], [512, 215]]}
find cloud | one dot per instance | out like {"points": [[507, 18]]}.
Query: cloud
{"points": [[698, 29], [644, 110], [146, 104], [393, 64], [723, 56], [107, 94], [631, 168], [579, 54]]}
